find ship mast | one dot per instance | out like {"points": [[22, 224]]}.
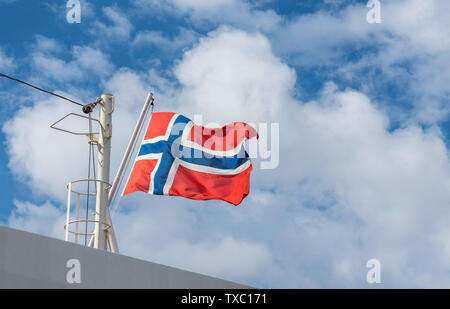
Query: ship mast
{"points": [[102, 235], [104, 230]]}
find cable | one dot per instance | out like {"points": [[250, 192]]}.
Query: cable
{"points": [[91, 155], [40, 89]]}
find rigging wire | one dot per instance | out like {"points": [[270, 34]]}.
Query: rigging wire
{"points": [[40, 89], [91, 156]]}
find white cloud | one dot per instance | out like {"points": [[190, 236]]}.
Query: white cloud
{"points": [[231, 74], [87, 9], [175, 232], [313, 39], [182, 40], [47, 45], [233, 259], [236, 13], [44, 158], [91, 59], [422, 24], [85, 59], [44, 219], [408, 50], [6, 62], [56, 68], [119, 28], [200, 5]]}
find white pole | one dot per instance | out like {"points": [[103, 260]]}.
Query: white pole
{"points": [[110, 235], [104, 156], [69, 188], [125, 158], [77, 217]]}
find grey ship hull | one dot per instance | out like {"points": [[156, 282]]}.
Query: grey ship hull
{"points": [[29, 260]]}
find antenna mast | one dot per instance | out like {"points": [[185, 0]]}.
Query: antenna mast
{"points": [[103, 235]]}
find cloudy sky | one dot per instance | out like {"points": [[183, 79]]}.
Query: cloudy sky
{"points": [[363, 114]]}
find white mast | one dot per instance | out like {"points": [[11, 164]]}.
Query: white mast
{"points": [[106, 109], [103, 235]]}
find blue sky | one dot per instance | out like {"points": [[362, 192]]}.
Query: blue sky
{"points": [[364, 130]]}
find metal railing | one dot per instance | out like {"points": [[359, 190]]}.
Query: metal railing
{"points": [[72, 226]]}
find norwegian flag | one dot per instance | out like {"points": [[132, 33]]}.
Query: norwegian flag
{"points": [[180, 158]]}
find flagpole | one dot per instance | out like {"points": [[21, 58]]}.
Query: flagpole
{"points": [[134, 136], [110, 235]]}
